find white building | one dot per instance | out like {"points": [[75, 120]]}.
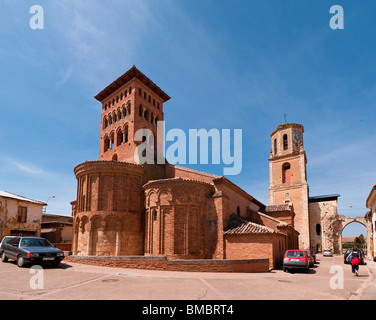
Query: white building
{"points": [[371, 233], [19, 216]]}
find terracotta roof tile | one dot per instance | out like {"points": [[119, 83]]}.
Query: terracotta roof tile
{"points": [[238, 225]]}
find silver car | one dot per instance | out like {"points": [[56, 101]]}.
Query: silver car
{"points": [[327, 253]]}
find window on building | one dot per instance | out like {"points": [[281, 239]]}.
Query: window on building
{"points": [[106, 143], [22, 214], [238, 211], [275, 146], [318, 229], [155, 215], [285, 142], [119, 138], [286, 173]]}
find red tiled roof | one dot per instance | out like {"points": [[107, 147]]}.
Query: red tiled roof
{"points": [[129, 75], [238, 225]]}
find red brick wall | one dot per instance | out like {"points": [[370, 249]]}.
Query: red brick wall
{"points": [[246, 265], [255, 246]]}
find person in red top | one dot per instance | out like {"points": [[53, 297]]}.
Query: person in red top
{"points": [[355, 260]]}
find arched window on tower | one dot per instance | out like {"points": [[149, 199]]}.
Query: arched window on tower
{"points": [[106, 143], [119, 138], [275, 146], [125, 134], [285, 142], [286, 173]]}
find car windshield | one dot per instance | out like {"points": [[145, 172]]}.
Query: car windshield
{"points": [[35, 242], [295, 254], [7, 239]]}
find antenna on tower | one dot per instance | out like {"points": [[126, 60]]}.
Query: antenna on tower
{"points": [[285, 116]]}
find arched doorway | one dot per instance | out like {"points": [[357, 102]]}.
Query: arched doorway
{"points": [[352, 228]]}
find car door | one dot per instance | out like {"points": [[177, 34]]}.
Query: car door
{"points": [[12, 248]]}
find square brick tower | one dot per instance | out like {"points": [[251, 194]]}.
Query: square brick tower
{"points": [[288, 177], [130, 103]]}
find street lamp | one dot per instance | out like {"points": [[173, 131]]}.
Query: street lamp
{"points": [[45, 207]]}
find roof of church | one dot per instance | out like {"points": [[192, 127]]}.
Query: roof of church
{"points": [[287, 125], [176, 179], [326, 197], [238, 225], [129, 75]]}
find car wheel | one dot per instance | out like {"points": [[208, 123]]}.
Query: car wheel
{"points": [[20, 261], [4, 257]]}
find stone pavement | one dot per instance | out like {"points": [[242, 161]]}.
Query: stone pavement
{"points": [[369, 293]]}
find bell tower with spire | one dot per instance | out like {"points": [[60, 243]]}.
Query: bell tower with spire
{"points": [[288, 177]]}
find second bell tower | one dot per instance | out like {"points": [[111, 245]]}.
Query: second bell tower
{"points": [[288, 178]]}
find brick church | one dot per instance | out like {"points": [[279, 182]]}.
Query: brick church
{"points": [[125, 209]]}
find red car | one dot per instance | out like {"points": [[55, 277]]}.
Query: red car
{"points": [[296, 259], [310, 258]]}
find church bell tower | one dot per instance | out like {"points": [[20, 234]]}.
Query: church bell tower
{"points": [[288, 177], [130, 103]]}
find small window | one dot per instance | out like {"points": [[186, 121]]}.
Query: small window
{"points": [[275, 146], [106, 144], [286, 173], [285, 142], [238, 211], [318, 229], [155, 215], [22, 214]]}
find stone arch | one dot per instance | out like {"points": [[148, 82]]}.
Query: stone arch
{"points": [[345, 221]]}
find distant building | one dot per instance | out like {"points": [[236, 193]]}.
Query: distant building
{"points": [[19, 216], [58, 230]]}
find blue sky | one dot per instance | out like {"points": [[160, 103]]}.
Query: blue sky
{"points": [[226, 64]]}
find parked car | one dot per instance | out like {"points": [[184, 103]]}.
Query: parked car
{"points": [[348, 251], [33, 250], [310, 258], [296, 259], [313, 255], [5, 240], [327, 253]]}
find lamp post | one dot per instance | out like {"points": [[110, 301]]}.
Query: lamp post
{"points": [[45, 207]]}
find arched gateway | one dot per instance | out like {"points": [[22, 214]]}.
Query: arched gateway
{"points": [[343, 222]]}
